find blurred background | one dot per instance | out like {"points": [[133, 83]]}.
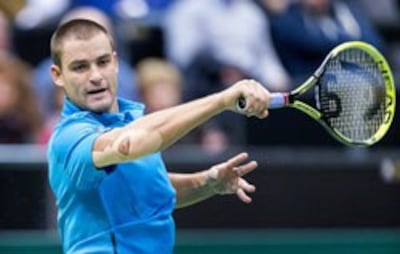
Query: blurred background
{"points": [[314, 195]]}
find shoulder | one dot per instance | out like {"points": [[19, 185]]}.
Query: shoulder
{"points": [[70, 130], [76, 121]]}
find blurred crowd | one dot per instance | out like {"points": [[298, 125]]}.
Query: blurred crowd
{"points": [[193, 48]]}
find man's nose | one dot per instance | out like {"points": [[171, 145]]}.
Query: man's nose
{"points": [[95, 75]]}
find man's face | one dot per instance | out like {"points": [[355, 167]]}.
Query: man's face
{"points": [[317, 6], [88, 73]]}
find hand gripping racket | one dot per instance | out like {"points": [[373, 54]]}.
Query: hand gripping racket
{"points": [[354, 94]]}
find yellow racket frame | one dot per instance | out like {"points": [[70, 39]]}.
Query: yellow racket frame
{"points": [[390, 99]]}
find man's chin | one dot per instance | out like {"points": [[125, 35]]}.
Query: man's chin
{"points": [[100, 107]]}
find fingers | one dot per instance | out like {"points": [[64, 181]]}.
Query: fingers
{"points": [[243, 184], [257, 99], [237, 160], [263, 114], [261, 99], [244, 187], [246, 168], [243, 196], [231, 180]]}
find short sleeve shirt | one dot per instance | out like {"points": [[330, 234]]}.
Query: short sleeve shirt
{"points": [[123, 208]]}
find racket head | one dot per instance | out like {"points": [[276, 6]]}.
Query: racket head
{"points": [[355, 94]]}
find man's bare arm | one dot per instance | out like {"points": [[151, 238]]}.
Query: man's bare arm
{"points": [[159, 130]]}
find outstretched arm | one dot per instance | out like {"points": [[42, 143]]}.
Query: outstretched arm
{"points": [[223, 178], [159, 130]]}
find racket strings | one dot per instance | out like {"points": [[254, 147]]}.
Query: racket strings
{"points": [[352, 94]]}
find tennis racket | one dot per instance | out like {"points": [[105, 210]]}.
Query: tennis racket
{"points": [[354, 95]]}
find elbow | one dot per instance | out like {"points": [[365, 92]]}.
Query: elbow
{"points": [[128, 146], [137, 144]]}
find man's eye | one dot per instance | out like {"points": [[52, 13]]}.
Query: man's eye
{"points": [[79, 67], [103, 62]]}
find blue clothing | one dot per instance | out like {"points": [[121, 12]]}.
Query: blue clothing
{"points": [[303, 40], [107, 6], [110, 6], [124, 208]]}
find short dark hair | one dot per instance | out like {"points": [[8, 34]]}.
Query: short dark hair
{"points": [[77, 28]]}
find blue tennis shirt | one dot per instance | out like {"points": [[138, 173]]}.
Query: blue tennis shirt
{"points": [[124, 208]]}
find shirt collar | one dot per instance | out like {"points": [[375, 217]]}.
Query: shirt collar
{"points": [[128, 110]]}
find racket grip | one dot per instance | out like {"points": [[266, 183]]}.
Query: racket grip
{"points": [[276, 100]]}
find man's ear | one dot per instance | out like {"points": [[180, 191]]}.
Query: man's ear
{"points": [[56, 75], [115, 56]]}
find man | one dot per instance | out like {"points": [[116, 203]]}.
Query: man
{"points": [[113, 192]]}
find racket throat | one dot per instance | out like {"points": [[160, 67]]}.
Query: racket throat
{"points": [[289, 98]]}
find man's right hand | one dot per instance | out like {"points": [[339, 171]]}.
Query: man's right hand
{"points": [[256, 97]]}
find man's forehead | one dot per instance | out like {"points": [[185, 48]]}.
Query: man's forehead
{"points": [[97, 38], [78, 48]]}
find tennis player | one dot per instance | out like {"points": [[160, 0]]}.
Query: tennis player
{"points": [[113, 192]]}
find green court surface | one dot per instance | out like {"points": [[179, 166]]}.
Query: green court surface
{"points": [[299, 241], [290, 241]]}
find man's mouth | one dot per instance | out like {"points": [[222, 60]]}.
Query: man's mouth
{"points": [[97, 91]]}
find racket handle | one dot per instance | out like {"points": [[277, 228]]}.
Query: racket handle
{"points": [[276, 100]]}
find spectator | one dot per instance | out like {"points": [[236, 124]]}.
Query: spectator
{"points": [[57, 99], [34, 14], [159, 83], [5, 33], [385, 13], [19, 115], [224, 41], [232, 33], [273, 7], [11, 8], [160, 86], [204, 76], [309, 29]]}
